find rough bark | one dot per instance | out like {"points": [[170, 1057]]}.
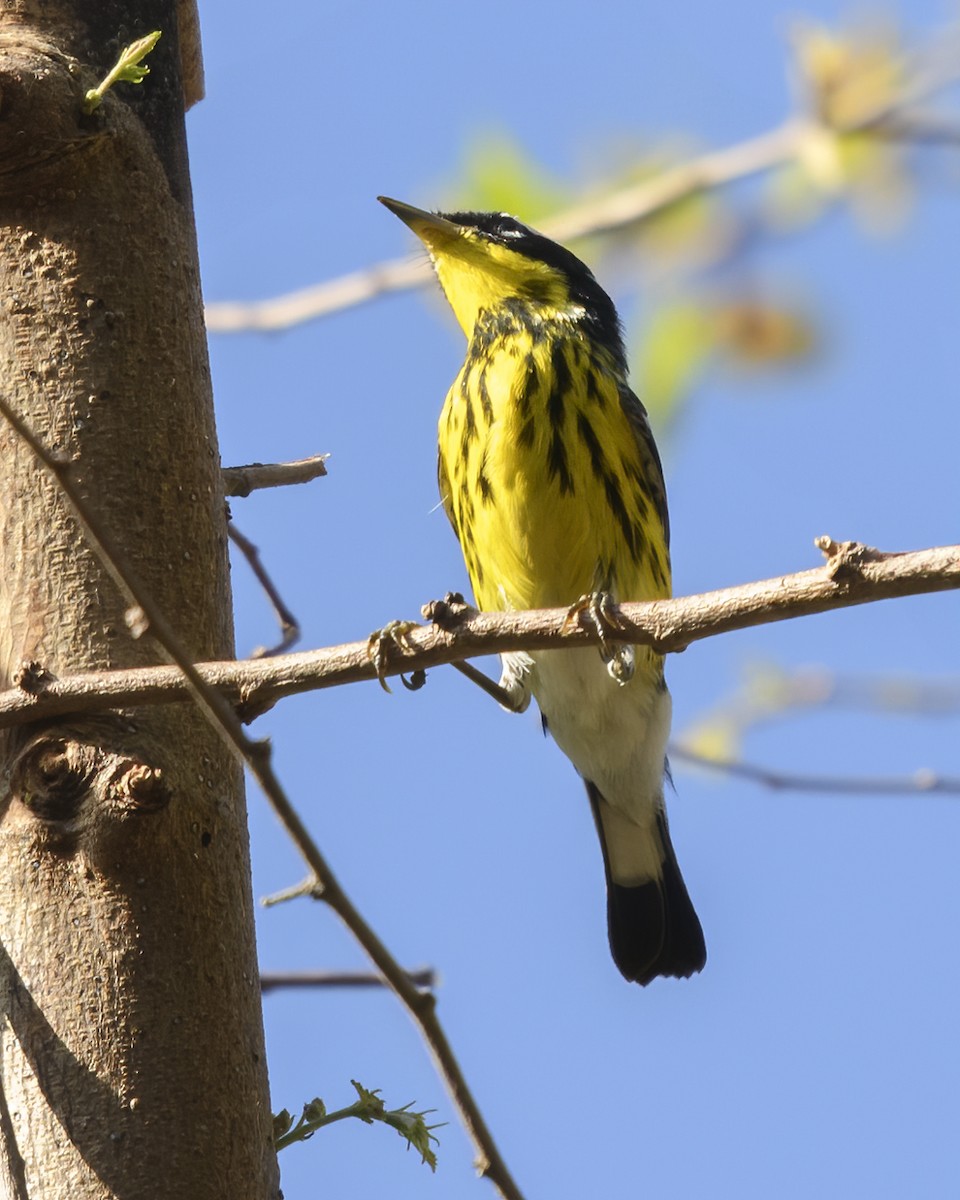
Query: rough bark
{"points": [[130, 1025]]}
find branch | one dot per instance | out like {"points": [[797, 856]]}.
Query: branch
{"points": [[923, 780], [853, 574], [614, 211], [144, 616], [241, 481], [769, 693], [890, 117], [272, 980], [289, 625]]}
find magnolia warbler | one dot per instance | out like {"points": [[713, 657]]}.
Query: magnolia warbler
{"points": [[552, 482]]}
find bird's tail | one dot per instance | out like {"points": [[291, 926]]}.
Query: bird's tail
{"points": [[653, 927]]}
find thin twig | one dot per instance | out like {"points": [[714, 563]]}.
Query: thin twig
{"points": [[271, 981], [241, 481], [921, 781], [257, 757], [769, 693], [293, 308], [306, 887], [853, 575], [289, 626]]}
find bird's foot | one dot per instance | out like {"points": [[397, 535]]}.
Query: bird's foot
{"points": [[598, 611], [393, 636]]}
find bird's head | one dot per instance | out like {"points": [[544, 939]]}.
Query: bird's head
{"points": [[488, 261]]}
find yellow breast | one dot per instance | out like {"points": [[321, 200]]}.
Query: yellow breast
{"points": [[543, 476]]}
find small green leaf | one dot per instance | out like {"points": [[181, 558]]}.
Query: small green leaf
{"points": [[418, 1134], [281, 1123], [126, 69], [368, 1108]]}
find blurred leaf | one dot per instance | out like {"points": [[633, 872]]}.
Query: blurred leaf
{"points": [[498, 175], [865, 170], [743, 332], [676, 344], [881, 187], [848, 81], [681, 229], [757, 333], [792, 199], [714, 738], [850, 78]]}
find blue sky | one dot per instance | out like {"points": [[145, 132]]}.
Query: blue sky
{"points": [[817, 1053]]}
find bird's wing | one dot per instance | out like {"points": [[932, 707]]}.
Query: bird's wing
{"points": [[649, 456], [443, 483]]}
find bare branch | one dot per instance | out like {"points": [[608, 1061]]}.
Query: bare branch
{"points": [[853, 574], [289, 625], [271, 981], [921, 781], [294, 308], [241, 481], [144, 616], [769, 692]]}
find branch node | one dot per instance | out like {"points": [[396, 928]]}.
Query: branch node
{"points": [[449, 613], [52, 777], [32, 677], [845, 560], [427, 1000], [143, 787], [251, 705]]}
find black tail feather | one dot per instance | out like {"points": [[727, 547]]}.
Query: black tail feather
{"points": [[653, 926]]}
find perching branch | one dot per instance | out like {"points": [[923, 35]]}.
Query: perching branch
{"points": [[853, 574]]}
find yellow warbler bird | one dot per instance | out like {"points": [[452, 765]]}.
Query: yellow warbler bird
{"points": [[552, 482]]}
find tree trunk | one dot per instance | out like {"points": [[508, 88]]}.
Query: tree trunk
{"points": [[130, 1025]]}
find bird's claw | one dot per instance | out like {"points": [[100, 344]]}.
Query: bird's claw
{"points": [[394, 634], [598, 610]]}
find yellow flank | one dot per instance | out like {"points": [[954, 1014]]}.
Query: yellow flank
{"points": [[543, 476]]}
